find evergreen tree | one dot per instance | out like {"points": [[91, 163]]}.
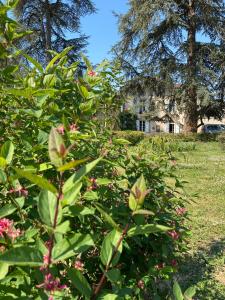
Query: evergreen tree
{"points": [[176, 41], [50, 21]]}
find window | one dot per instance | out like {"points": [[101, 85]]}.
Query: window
{"points": [[141, 109], [171, 127], [142, 125]]}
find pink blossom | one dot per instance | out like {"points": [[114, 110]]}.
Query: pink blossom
{"points": [[51, 298], [51, 284], [92, 73], [141, 284], [20, 190], [181, 211], [13, 233], [45, 259], [6, 226], [73, 127], [159, 266], [174, 235], [79, 265], [24, 192], [173, 262], [61, 129], [2, 248]]}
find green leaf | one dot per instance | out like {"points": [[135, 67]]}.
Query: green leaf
{"points": [[71, 195], [121, 142], [72, 164], [138, 193], [49, 80], [106, 216], [57, 57], [113, 275], [83, 91], [33, 61], [189, 293], [22, 256], [3, 162], [7, 151], [56, 148], [79, 210], [109, 245], [147, 229], [103, 181], [108, 296], [70, 247], [63, 227], [4, 268], [47, 204], [90, 195], [79, 175], [80, 282], [143, 212], [38, 180], [177, 291], [8, 209], [3, 177]]}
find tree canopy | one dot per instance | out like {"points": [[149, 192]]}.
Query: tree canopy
{"points": [[50, 22], [177, 41]]}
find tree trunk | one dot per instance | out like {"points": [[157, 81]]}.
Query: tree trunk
{"points": [[191, 112], [48, 32]]}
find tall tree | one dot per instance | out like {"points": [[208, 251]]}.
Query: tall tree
{"points": [[175, 41], [50, 20]]}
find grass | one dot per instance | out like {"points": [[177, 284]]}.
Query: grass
{"points": [[203, 266]]}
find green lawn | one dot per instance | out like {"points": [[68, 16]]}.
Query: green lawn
{"points": [[204, 169]]}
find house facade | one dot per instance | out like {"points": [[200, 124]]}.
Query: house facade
{"points": [[156, 113]]}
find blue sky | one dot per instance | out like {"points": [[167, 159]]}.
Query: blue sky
{"points": [[102, 28]]}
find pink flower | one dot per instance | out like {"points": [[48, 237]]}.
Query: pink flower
{"points": [[61, 129], [6, 227], [79, 265], [92, 73], [73, 128], [2, 248], [173, 263], [45, 259], [51, 284], [13, 233], [181, 211], [159, 266], [51, 298], [20, 190], [141, 284], [174, 235]]}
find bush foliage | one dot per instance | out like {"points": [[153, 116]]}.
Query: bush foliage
{"points": [[80, 218], [134, 137]]}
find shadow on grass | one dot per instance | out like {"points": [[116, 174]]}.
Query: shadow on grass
{"points": [[205, 269]]}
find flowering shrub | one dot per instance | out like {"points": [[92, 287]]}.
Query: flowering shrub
{"points": [[80, 217]]}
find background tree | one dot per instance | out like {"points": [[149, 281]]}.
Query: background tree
{"points": [[175, 41], [50, 21]]}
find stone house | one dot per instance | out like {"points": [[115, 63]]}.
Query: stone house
{"points": [[154, 112]]}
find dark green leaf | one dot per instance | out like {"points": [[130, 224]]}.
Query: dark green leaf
{"points": [[38, 180], [108, 249], [177, 292], [80, 282], [47, 204], [56, 148], [7, 151], [79, 175], [69, 247], [22, 256], [147, 229]]}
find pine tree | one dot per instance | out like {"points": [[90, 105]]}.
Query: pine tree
{"points": [[175, 41], [50, 21]]}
